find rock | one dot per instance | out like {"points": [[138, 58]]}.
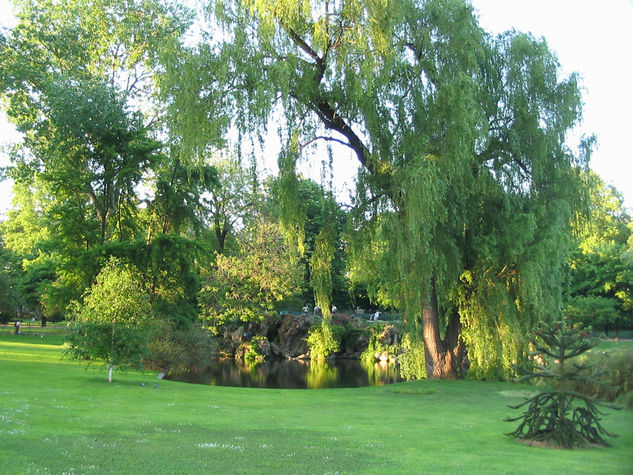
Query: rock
{"points": [[292, 334], [390, 336], [264, 347]]}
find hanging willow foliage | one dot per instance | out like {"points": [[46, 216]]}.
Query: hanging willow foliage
{"points": [[465, 187]]}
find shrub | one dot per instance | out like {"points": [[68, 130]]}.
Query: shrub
{"points": [[614, 376], [626, 400], [178, 350], [412, 360], [324, 340], [378, 334], [253, 352]]}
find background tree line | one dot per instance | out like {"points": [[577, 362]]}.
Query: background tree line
{"points": [[471, 215]]}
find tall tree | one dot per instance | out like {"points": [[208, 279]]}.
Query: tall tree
{"points": [[232, 200], [9, 295], [253, 282], [464, 180], [178, 205], [76, 77], [324, 225]]}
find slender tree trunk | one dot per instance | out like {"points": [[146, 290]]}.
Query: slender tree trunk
{"points": [[444, 357]]}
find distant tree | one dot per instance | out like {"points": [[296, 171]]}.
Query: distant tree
{"points": [[232, 200], [178, 203], [75, 78], [252, 283], [111, 323], [9, 296], [601, 278], [324, 219]]}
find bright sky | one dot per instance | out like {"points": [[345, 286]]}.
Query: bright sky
{"points": [[592, 38]]}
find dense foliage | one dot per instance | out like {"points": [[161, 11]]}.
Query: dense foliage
{"points": [[465, 183], [601, 279], [144, 142], [253, 283]]}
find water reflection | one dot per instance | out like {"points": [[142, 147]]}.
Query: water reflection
{"points": [[291, 374]]}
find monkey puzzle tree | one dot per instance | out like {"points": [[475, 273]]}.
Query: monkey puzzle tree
{"points": [[462, 202], [560, 416]]}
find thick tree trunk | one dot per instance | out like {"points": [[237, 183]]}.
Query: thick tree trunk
{"points": [[444, 357]]}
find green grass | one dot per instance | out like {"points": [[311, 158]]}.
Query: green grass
{"points": [[610, 345], [57, 416]]}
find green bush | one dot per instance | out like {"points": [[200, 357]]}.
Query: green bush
{"points": [[175, 350], [324, 340], [412, 360], [626, 400], [614, 370], [377, 333], [253, 351]]}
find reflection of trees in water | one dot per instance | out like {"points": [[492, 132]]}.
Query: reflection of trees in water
{"points": [[293, 374], [289, 374], [381, 372], [257, 373], [321, 375]]}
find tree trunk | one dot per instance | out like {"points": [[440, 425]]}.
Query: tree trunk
{"points": [[444, 357]]}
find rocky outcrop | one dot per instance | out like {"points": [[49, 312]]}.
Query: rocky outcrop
{"points": [[291, 335], [287, 334]]}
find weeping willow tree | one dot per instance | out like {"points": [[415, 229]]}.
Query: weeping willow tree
{"points": [[464, 181]]}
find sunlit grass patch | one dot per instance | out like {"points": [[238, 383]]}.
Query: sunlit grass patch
{"points": [[521, 393]]}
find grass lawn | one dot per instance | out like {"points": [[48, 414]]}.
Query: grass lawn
{"points": [[56, 416]]}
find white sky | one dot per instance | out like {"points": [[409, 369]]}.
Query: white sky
{"points": [[592, 38]]}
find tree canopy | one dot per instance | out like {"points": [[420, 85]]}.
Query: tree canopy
{"points": [[465, 180], [601, 277], [466, 187]]}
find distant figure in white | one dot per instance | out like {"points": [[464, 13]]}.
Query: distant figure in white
{"points": [[317, 310], [375, 317], [334, 309]]}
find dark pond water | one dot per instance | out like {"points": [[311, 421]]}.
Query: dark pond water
{"points": [[290, 374]]}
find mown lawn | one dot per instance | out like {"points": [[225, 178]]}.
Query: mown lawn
{"points": [[56, 416]]}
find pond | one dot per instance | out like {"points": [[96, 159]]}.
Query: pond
{"points": [[292, 374]]}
